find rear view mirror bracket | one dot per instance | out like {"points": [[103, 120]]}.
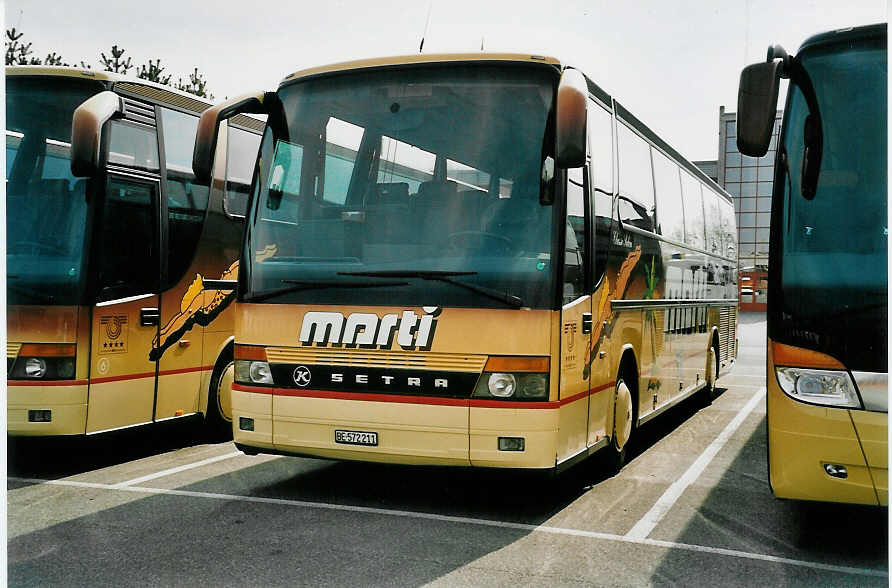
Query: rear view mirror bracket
{"points": [[209, 129], [86, 131]]}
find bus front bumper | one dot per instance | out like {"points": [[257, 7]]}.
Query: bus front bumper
{"points": [[809, 445], [407, 431], [28, 405]]}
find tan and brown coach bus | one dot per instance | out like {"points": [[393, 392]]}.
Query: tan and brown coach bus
{"points": [[477, 260], [112, 247]]}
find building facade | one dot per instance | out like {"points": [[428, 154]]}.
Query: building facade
{"points": [[749, 180]]}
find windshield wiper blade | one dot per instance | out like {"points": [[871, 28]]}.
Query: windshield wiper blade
{"points": [[300, 285], [444, 276]]}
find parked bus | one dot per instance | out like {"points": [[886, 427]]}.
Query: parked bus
{"points": [[111, 245], [827, 372], [477, 260]]}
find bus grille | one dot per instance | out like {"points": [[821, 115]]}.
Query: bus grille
{"points": [[12, 350], [727, 331], [385, 359]]}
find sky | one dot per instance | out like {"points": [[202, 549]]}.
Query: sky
{"points": [[672, 63]]}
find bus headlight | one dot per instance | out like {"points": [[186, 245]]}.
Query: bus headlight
{"points": [[502, 385], [512, 386], [35, 367], [252, 372], [824, 387]]}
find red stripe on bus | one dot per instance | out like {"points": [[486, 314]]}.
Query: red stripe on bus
{"points": [[474, 403], [122, 378], [582, 395], [203, 368], [48, 383], [150, 375], [332, 395]]}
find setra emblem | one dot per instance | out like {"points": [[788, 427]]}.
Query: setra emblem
{"points": [[301, 375]]}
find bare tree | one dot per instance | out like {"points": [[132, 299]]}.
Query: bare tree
{"points": [[115, 63], [17, 52], [153, 73], [197, 85]]}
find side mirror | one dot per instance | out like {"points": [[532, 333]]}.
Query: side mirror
{"points": [[86, 132], [570, 120], [757, 106], [209, 129]]}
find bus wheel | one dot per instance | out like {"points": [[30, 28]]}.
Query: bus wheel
{"points": [[622, 425], [708, 392], [218, 418]]}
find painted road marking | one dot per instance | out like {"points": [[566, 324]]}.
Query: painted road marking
{"points": [[175, 470], [472, 521], [649, 521]]}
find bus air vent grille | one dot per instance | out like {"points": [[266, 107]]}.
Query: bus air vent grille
{"points": [[139, 111], [727, 328], [163, 96], [12, 349], [384, 359]]}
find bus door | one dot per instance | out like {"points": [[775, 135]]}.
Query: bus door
{"points": [[185, 308], [576, 321], [126, 256]]}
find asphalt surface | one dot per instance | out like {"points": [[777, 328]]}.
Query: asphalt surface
{"points": [[692, 507]]}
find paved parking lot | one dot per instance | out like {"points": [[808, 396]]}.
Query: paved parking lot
{"points": [[691, 507]]}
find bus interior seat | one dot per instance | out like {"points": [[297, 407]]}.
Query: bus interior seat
{"points": [[521, 220], [440, 210], [386, 210]]}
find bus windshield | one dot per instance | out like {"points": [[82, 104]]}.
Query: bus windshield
{"points": [[46, 207], [833, 254], [418, 185]]}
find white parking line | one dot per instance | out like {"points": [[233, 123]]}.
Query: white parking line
{"points": [[176, 470], [649, 521], [473, 521]]}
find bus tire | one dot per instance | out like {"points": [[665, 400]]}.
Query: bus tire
{"points": [[712, 360], [623, 426], [218, 416]]}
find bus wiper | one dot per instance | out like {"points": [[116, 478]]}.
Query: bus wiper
{"points": [[300, 285], [444, 276]]}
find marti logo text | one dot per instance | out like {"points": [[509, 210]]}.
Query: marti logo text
{"points": [[361, 329]]}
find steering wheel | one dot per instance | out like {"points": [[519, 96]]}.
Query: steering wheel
{"points": [[48, 247], [478, 240]]}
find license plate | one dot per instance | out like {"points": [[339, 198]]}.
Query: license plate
{"points": [[356, 438]]}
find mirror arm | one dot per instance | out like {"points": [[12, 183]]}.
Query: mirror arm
{"points": [[209, 128], [86, 131]]}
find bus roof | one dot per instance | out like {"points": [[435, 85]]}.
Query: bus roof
{"points": [[152, 91], [418, 59], [848, 34]]}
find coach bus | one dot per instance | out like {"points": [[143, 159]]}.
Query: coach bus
{"points": [[112, 247], [470, 260], [827, 371]]}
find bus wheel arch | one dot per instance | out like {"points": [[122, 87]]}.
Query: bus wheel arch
{"points": [[625, 410], [218, 413], [711, 368]]}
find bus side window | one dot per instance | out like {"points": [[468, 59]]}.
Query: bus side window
{"points": [[695, 231], [636, 205], [187, 201], [574, 242], [600, 137], [241, 154], [670, 210]]}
